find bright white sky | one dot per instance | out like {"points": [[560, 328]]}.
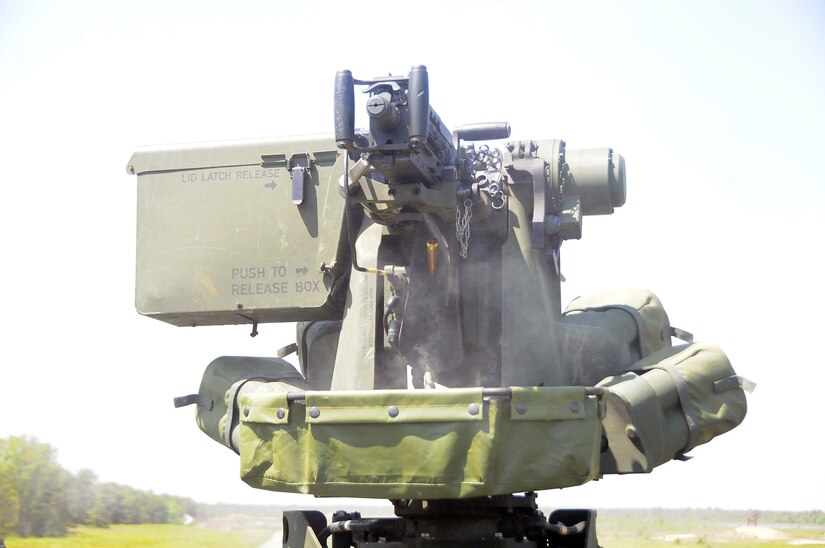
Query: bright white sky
{"points": [[717, 107]]}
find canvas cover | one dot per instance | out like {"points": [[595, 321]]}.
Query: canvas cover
{"points": [[227, 377], [421, 444], [637, 314], [317, 345], [672, 401], [605, 333]]}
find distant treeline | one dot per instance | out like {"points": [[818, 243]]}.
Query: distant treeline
{"points": [[39, 498]]}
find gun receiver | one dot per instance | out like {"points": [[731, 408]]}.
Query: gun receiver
{"points": [[407, 141], [400, 300]]}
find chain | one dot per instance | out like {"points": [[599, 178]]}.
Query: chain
{"points": [[462, 225], [479, 171], [482, 159]]}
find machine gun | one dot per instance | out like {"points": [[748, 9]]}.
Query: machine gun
{"points": [[438, 369]]}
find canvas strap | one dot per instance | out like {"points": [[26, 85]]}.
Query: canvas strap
{"points": [[231, 407], [671, 331], [734, 381], [200, 399], [287, 350], [688, 409]]}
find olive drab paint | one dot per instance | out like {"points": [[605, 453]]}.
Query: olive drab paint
{"points": [[220, 240], [437, 366]]}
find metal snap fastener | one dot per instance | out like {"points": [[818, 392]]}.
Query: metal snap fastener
{"points": [[280, 413], [314, 412], [473, 409], [574, 407], [392, 411], [246, 411], [521, 408]]}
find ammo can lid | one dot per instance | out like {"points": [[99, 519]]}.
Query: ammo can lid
{"points": [[217, 154]]}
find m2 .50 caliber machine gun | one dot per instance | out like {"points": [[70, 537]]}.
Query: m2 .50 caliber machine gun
{"points": [[437, 367]]}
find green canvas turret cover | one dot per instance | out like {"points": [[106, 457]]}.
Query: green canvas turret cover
{"points": [[420, 444]]}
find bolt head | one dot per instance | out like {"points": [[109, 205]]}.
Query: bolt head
{"points": [[376, 106]]}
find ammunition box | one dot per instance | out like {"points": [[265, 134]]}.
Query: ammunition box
{"points": [[238, 232]]}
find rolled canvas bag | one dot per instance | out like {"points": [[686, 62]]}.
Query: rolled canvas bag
{"points": [[228, 377], [670, 402], [604, 333]]}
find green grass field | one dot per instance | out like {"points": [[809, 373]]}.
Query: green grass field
{"points": [[626, 530], [156, 536]]}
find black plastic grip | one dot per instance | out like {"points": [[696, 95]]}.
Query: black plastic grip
{"points": [[344, 108], [484, 132], [418, 99]]}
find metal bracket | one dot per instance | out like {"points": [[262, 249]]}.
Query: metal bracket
{"points": [[254, 323], [302, 528], [299, 176], [533, 170]]}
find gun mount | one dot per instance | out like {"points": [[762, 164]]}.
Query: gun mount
{"points": [[438, 369]]}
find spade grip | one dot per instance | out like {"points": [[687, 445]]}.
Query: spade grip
{"points": [[344, 108], [418, 99], [484, 132]]}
